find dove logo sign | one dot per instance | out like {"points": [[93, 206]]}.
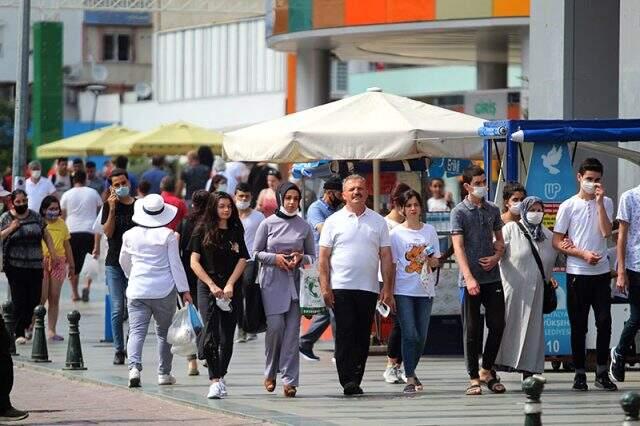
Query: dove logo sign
{"points": [[551, 190], [551, 159]]}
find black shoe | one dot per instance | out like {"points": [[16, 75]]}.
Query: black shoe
{"points": [[352, 388], [580, 382], [616, 368], [603, 382], [85, 294], [308, 354], [118, 358], [13, 415]]}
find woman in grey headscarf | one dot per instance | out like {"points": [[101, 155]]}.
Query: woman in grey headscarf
{"points": [[522, 348]]}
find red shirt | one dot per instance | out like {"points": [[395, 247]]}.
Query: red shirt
{"points": [[169, 198]]}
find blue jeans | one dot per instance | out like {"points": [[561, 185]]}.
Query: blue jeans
{"points": [[413, 315], [117, 283]]}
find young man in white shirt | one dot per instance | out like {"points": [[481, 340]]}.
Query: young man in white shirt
{"points": [[250, 219], [80, 206], [37, 187], [586, 219], [353, 242], [628, 281]]}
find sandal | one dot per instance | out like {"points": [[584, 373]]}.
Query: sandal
{"points": [[473, 390], [270, 385], [495, 386], [289, 391], [419, 386]]}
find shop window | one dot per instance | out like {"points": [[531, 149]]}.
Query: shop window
{"points": [[116, 47]]}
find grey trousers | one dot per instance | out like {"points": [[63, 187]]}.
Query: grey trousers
{"points": [[281, 345], [140, 312]]}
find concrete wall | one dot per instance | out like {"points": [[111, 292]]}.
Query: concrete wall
{"points": [[213, 113], [629, 96], [10, 25]]}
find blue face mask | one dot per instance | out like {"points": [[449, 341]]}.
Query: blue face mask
{"points": [[122, 192], [52, 215]]}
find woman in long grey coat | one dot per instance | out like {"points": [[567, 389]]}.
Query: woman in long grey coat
{"points": [[283, 242], [522, 347]]}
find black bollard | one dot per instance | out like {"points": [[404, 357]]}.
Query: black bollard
{"points": [[533, 387], [630, 403], [10, 325], [39, 351], [74, 350]]}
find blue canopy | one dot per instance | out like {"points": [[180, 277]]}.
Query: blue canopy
{"points": [[573, 134]]}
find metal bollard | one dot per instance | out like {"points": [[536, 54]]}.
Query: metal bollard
{"points": [[630, 403], [108, 332], [74, 349], [533, 387], [10, 325], [39, 351]]}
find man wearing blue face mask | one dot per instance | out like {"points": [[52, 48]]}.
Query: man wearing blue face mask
{"points": [[117, 215]]}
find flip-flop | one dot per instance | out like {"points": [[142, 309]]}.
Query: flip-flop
{"points": [[473, 390], [495, 386]]}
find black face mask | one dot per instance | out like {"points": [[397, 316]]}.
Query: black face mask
{"points": [[21, 209]]}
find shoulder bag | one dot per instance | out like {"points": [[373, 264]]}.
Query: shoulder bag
{"points": [[550, 299]]}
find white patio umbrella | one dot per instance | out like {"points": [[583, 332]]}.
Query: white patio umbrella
{"points": [[369, 126]]}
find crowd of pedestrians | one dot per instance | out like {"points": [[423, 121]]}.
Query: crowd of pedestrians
{"points": [[220, 231]]}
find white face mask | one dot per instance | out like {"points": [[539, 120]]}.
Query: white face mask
{"points": [[479, 191], [286, 213], [515, 208], [535, 218], [36, 174], [242, 205], [588, 187]]}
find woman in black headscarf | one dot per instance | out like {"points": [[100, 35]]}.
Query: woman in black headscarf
{"points": [[283, 242], [523, 346]]}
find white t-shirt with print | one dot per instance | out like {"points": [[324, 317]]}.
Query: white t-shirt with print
{"points": [[578, 218], [407, 247], [81, 205], [355, 243], [250, 225], [629, 211], [37, 191]]}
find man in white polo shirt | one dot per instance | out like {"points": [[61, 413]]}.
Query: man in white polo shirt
{"points": [[353, 242], [37, 187]]}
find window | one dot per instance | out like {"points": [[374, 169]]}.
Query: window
{"points": [[116, 47]]}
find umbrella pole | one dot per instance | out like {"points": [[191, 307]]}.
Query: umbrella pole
{"points": [[376, 185]]}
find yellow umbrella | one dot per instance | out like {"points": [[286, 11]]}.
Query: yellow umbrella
{"points": [[169, 139], [84, 144]]}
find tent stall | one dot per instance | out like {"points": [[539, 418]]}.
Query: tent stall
{"points": [[170, 139], [371, 126], [548, 172], [85, 144]]}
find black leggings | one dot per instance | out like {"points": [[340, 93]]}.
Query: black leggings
{"points": [[26, 291], [221, 331], [394, 345]]}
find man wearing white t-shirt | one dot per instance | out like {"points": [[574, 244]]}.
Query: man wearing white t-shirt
{"points": [[250, 219], [586, 219], [354, 240], [37, 187], [80, 206]]}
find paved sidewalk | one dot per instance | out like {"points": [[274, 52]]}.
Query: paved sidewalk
{"points": [[320, 400], [52, 399]]}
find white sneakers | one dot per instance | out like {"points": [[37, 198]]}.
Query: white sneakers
{"points": [[166, 379], [394, 375], [21, 341], [223, 387], [215, 391], [134, 378]]}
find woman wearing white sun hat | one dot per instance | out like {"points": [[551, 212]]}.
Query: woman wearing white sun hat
{"points": [[151, 260]]}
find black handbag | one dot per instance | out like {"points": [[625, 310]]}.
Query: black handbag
{"points": [[550, 299]]}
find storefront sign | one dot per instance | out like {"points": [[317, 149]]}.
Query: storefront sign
{"points": [[489, 105]]}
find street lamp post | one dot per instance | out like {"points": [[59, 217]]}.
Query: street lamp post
{"points": [[22, 97]]}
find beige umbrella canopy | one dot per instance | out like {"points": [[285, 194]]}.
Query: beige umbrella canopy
{"points": [[85, 144], [369, 126], [170, 139]]}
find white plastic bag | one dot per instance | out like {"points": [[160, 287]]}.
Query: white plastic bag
{"points": [[181, 334], [90, 268], [311, 300]]}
